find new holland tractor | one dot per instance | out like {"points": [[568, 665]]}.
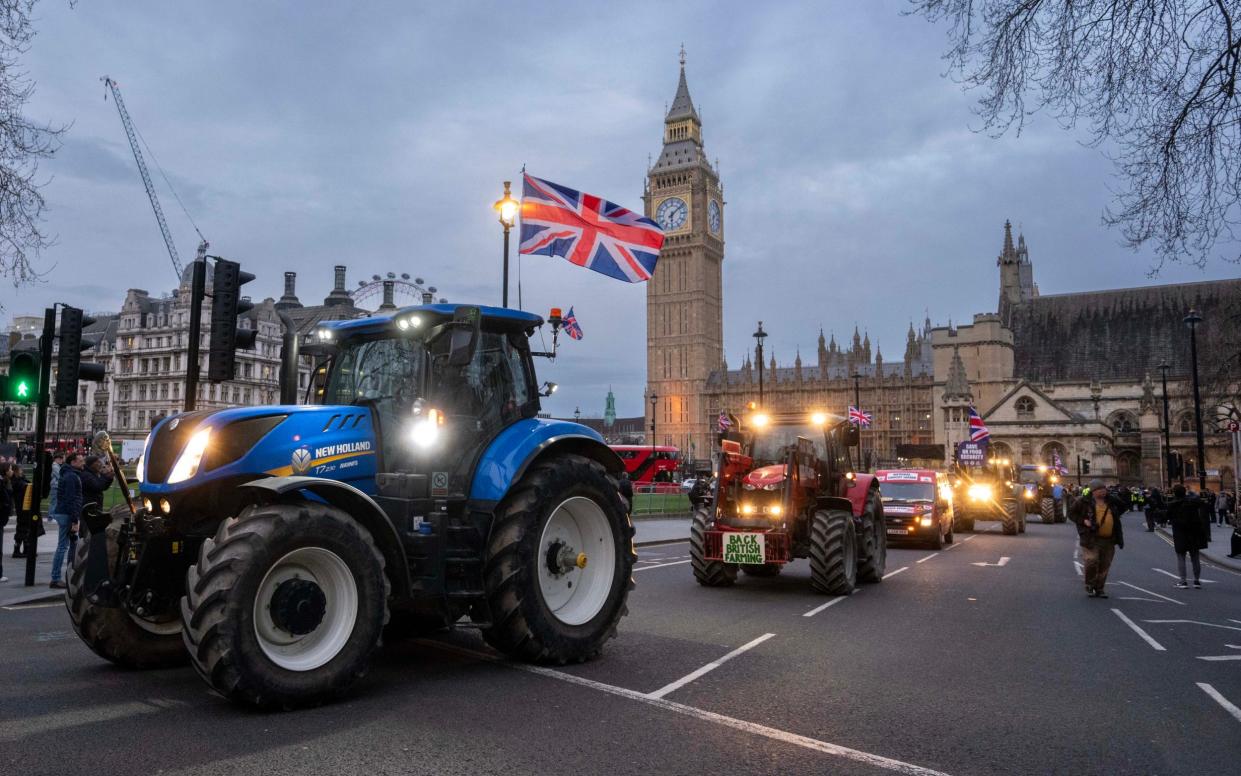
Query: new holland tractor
{"points": [[988, 491], [786, 489], [273, 547], [1039, 493]]}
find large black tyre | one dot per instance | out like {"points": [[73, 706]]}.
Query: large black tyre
{"points": [[232, 643], [1009, 520], [1047, 509], [951, 537], [765, 570], [523, 624], [833, 552], [114, 633], [962, 523], [872, 564], [1061, 511], [708, 573]]}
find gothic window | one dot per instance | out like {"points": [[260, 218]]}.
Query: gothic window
{"points": [[1050, 451], [1025, 407], [1185, 424], [1123, 422]]}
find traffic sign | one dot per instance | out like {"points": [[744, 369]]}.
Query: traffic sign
{"points": [[1234, 426]]}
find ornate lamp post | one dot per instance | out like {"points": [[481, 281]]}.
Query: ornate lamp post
{"points": [[1167, 443], [577, 414], [760, 335], [507, 207], [654, 401], [1192, 320]]}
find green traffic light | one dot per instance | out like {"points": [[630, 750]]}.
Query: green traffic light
{"points": [[23, 390]]}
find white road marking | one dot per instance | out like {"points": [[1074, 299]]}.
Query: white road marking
{"points": [[17, 729], [954, 546], [894, 573], [1004, 559], [23, 607], [1145, 636], [970, 538], [774, 734], [832, 602], [1192, 622], [661, 565], [708, 668], [924, 560], [1221, 700], [1220, 657], [1078, 566], [1139, 598], [1151, 592], [1178, 579]]}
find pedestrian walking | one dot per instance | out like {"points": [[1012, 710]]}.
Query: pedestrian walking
{"points": [[626, 490], [6, 508], [23, 498], [1100, 534], [1189, 533], [68, 513]]}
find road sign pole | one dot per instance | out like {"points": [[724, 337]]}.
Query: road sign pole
{"points": [[42, 462]]}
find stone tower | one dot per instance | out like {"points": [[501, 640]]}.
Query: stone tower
{"points": [[1016, 273], [684, 298]]}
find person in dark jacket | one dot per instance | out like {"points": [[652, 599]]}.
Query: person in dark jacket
{"points": [[97, 477], [1185, 512], [6, 508], [626, 490], [68, 513], [21, 535], [1100, 534]]}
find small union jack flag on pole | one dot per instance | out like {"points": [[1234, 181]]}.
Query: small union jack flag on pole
{"points": [[571, 326], [978, 429], [587, 230], [724, 422], [859, 416]]}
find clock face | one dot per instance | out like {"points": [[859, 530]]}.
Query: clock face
{"points": [[713, 216], [671, 214]]}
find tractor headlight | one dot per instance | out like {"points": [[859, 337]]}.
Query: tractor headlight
{"points": [[426, 428], [1029, 494], [187, 464], [747, 509], [980, 492], [774, 510]]}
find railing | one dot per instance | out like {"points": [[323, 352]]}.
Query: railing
{"points": [[664, 498]]}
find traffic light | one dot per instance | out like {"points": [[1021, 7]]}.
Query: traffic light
{"points": [[226, 305], [23, 383], [69, 366], [1085, 466]]}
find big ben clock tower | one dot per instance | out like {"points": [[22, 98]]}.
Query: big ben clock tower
{"points": [[684, 299]]}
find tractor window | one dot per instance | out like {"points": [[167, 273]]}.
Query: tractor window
{"points": [[385, 371], [493, 390], [773, 443]]}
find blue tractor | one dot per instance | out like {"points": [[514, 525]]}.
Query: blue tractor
{"points": [[274, 547]]}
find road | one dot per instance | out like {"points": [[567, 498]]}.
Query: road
{"points": [[954, 664]]}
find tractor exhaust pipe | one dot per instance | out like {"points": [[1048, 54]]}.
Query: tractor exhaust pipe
{"points": [[288, 360]]}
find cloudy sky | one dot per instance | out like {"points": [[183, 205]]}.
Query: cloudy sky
{"points": [[302, 135]]}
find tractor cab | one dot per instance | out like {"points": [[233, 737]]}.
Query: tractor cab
{"points": [[988, 490]]}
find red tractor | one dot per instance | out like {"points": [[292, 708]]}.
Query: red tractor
{"points": [[786, 489]]}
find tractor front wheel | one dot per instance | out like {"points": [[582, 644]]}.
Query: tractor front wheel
{"points": [[1010, 519], [286, 605], [874, 559], [833, 552], [114, 633], [1047, 509], [709, 573], [559, 565]]}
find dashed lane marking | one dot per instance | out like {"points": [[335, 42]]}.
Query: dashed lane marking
{"points": [[1192, 622], [832, 602], [774, 734], [1174, 576], [1078, 565], [1138, 630], [924, 560], [970, 538], [708, 668], [894, 573], [1152, 592], [1219, 658], [1227, 705], [661, 565], [24, 607], [953, 546]]}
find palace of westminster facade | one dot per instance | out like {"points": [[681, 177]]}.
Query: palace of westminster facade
{"points": [[1074, 375]]}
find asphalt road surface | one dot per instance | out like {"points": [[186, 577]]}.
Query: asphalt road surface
{"points": [[986, 657]]}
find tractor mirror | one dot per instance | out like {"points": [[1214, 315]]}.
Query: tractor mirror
{"points": [[466, 323], [851, 437]]}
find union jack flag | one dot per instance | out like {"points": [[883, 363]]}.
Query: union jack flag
{"points": [[571, 326], [1058, 464], [588, 231], [859, 416], [724, 422], [978, 429]]}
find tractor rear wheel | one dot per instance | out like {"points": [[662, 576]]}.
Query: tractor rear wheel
{"points": [[709, 573], [833, 552], [1009, 519], [765, 570], [115, 633], [286, 605], [874, 560], [1047, 509], [559, 564], [951, 537]]}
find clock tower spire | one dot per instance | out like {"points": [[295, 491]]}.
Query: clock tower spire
{"points": [[684, 299]]}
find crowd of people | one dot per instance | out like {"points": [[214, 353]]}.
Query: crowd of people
{"points": [[1188, 514], [77, 483]]}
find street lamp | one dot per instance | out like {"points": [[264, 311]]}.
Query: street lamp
{"points": [[760, 335], [577, 414], [1192, 320], [654, 401], [507, 207], [1167, 443]]}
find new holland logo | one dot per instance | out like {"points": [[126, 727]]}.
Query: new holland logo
{"points": [[301, 460]]}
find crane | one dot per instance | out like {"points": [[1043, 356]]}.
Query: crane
{"points": [[132, 134]]}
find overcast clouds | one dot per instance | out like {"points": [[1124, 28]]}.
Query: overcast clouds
{"points": [[302, 135]]}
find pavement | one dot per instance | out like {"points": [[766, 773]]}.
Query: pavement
{"points": [[655, 530], [1217, 550], [983, 658], [14, 591]]}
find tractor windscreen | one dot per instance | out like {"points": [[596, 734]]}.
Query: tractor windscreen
{"points": [[772, 444], [384, 371], [907, 491]]}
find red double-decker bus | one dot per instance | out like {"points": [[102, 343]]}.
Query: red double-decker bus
{"points": [[649, 465]]}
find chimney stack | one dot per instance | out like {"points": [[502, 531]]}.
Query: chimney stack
{"points": [[389, 302], [339, 295], [289, 300]]}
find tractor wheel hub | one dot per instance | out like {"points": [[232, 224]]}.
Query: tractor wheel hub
{"points": [[298, 606]]}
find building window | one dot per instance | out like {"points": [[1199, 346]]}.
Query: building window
{"points": [[1124, 423], [1025, 407], [1186, 424]]}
